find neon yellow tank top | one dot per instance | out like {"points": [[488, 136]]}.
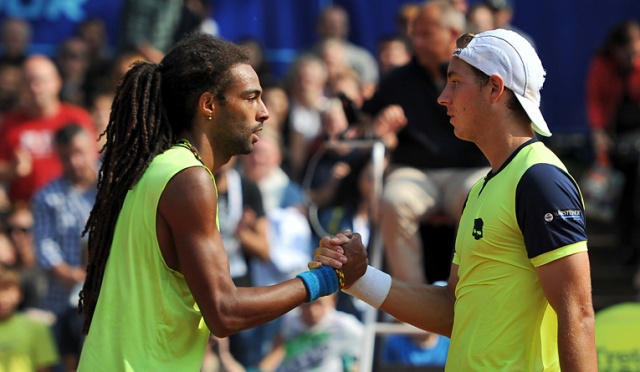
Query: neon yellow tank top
{"points": [[146, 318]]}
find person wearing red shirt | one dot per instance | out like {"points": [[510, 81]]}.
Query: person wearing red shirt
{"points": [[27, 156], [613, 111]]}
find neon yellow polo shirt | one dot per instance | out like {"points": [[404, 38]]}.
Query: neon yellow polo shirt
{"points": [[503, 321]]}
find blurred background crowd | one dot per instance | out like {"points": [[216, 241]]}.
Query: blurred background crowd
{"points": [[337, 77]]}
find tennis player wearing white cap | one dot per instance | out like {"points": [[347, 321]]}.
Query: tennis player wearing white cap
{"points": [[519, 293]]}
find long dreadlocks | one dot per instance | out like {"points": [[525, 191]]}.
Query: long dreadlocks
{"points": [[153, 104]]}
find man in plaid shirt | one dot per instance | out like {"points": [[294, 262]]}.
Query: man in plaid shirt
{"points": [[61, 210]]}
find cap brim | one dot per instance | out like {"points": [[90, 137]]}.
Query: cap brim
{"points": [[535, 115]]}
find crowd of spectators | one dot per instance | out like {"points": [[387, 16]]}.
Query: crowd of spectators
{"points": [[334, 93]]}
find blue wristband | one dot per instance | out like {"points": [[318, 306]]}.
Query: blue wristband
{"points": [[321, 281]]}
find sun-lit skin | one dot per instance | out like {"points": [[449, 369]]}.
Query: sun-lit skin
{"points": [[79, 159], [431, 40], [10, 297], [239, 118], [43, 85], [464, 98], [479, 113]]}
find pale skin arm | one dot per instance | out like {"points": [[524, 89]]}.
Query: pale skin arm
{"points": [[428, 307], [192, 245], [252, 233], [406, 301], [274, 358], [572, 302], [69, 276]]}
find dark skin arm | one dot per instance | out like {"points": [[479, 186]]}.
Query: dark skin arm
{"points": [[191, 244]]}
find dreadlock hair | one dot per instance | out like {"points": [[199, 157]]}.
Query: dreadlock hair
{"points": [[153, 104]]}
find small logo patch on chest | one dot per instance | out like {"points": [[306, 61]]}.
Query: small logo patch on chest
{"points": [[477, 228]]}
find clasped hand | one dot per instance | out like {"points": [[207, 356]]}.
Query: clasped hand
{"points": [[344, 251]]}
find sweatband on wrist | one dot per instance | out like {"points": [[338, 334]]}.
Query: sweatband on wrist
{"points": [[372, 288], [321, 281]]}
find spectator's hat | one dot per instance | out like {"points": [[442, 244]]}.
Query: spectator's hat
{"points": [[510, 56]]}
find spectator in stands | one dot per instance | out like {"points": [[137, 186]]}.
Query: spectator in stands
{"points": [[15, 37], [405, 16], [73, 62], [289, 232], [431, 169], [333, 22], [277, 101], [263, 166], [242, 221], [196, 15], [121, 64], [480, 18], [27, 156], [27, 345], [393, 51], [316, 337], [19, 227], [61, 210], [100, 111], [307, 79], [333, 52], [417, 350], [243, 226], [258, 60], [502, 16], [148, 27], [613, 108], [461, 5], [94, 33], [11, 87]]}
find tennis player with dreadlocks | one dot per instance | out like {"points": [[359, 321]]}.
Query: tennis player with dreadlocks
{"points": [[158, 276]]}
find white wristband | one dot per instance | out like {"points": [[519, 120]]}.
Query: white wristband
{"points": [[372, 288]]}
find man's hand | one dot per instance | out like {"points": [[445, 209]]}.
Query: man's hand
{"points": [[390, 120], [345, 251]]}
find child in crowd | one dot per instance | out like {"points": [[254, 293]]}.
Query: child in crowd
{"points": [[25, 344], [316, 337]]}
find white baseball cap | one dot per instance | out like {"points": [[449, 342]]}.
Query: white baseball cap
{"points": [[507, 54]]}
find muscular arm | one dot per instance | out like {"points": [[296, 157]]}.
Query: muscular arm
{"points": [[428, 307], [191, 244], [253, 236], [567, 284]]}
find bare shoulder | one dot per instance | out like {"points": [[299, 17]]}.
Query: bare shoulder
{"points": [[191, 192]]}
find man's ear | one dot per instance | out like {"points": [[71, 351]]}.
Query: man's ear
{"points": [[206, 104], [496, 85]]}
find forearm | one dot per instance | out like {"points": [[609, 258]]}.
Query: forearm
{"points": [[272, 360], [67, 275], [237, 309], [576, 342], [427, 307]]}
